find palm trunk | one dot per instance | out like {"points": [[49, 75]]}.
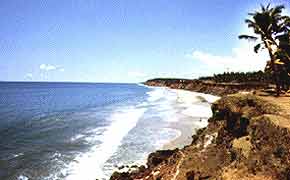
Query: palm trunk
{"points": [[275, 73]]}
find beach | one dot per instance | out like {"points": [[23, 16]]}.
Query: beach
{"points": [[197, 109]]}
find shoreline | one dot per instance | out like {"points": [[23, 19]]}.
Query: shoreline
{"points": [[186, 125], [186, 130], [246, 137], [206, 87]]}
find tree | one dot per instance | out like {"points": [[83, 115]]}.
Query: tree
{"points": [[268, 24], [283, 55]]}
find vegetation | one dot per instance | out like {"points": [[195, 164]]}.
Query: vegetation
{"points": [[240, 77], [272, 30]]}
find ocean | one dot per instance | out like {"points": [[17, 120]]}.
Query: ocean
{"points": [[76, 131]]}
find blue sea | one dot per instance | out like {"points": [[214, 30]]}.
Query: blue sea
{"points": [[79, 131]]}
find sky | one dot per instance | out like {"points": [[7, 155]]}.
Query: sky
{"points": [[125, 40]]}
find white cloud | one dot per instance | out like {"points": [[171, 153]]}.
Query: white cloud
{"points": [[242, 58], [136, 74], [49, 67], [29, 76]]}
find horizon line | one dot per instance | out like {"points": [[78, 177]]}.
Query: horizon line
{"points": [[80, 82]]}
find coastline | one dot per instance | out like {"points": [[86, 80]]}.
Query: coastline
{"points": [[207, 87], [185, 137], [233, 145], [187, 126]]}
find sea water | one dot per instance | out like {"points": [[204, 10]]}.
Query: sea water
{"points": [[78, 131]]}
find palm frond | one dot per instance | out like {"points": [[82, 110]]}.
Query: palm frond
{"points": [[268, 41], [257, 48], [263, 7], [286, 20], [256, 28], [282, 18], [270, 27], [249, 21], [247, 37], [253, 13], [277, 10]]}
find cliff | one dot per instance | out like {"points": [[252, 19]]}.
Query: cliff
{"points": [[208, 87], [248, 137]]}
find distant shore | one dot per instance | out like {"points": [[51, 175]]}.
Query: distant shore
{"points": [[207, 87]]}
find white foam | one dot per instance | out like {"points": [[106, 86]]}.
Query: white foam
{"points": [[195, 104], [21, 177], [89, 165], [19, 154], [196, 110], [155, 94], [77, 137], [161, 92], [56, 155], [164, 100], [167, 132], [194, 97]]}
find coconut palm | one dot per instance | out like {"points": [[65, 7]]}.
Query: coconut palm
{"points": [[283, 55], [267, 25]]}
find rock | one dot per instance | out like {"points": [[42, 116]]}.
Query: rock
{"points": [[190, 175], [121, 176], [134, 166], [158, 157], [243, 145]]}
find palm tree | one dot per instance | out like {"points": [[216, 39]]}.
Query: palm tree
{"points": [[283, 54], [268, 24]]}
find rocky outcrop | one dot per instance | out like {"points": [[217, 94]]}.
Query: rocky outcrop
{"points": [[248, 137]]}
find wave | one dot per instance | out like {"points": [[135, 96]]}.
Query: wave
{"points": [[156, 94], [90, 164], [191, 97], [165, 103], [195, 104], [17, 155], [21, 177], [164, 100], [167, 134], [198, 111]]}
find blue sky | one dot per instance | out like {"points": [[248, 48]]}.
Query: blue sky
{"points": [[123, 40]]}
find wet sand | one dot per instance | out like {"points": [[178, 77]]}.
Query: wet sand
{"points": [[188, 125], [187, 128]]}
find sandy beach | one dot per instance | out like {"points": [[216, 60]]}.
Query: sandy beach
{"points": [[196, 113]]}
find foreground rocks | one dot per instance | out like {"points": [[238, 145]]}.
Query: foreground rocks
{"points": [[248, 137]]}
